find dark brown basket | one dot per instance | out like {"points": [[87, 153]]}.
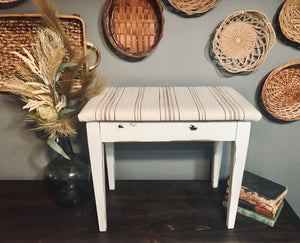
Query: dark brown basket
{"points": [[281, 92], [19, 31], [133, 28]]}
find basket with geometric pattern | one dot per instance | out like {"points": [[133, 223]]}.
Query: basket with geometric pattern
{"points": [[281, 92], [289, 20], [243, 40]]}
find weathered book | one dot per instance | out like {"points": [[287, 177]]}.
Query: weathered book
{"points": [[255, 208], [262, 192], [257, 216]]}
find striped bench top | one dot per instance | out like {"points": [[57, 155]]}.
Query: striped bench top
{"points": [[203, 103]]}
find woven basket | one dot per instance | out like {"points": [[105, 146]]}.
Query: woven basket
{"points": [[194, 7], [133, 27], [19, 31], [10, 3], [281, 92], [242, 41], [289, 20]]}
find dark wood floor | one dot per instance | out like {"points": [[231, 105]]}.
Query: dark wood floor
{"points": [[138, 211]]}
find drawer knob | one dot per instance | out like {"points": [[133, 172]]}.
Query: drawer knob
{"points": [[193, 128]]}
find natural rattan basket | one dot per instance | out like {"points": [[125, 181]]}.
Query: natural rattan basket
{"points": [[18, 31], [133, 27], [289, 20], [194, 7], [281, 92], [242, 41], [10, 3]]}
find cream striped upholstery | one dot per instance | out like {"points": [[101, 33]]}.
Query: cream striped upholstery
{"points": [[168, 104]]}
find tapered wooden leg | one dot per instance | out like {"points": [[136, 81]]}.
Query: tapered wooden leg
{"points": [[110, 161], [240, 147], [218, 146], [96, 151]]}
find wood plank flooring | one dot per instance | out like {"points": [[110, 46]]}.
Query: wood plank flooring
{"points": [[138, 211]]}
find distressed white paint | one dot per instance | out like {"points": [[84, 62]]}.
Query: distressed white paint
{"points": [[218, 146], [110, 132], [98, 172], [236, 170], [167, 131], [110, 161]]}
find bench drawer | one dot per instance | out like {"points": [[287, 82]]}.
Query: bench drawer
{"points": [[167, 131]]}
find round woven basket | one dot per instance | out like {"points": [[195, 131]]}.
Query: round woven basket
{"points": [[281, 92], [289, 20], [133, 28], [10, 3], [242, 41], [192, 7]]}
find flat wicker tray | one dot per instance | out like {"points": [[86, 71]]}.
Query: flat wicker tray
{"points": [[243, 40], [133, 28], [19, 31], [281, 92], [289, 20], [194, 7]]}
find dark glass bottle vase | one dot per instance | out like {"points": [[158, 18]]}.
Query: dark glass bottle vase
{"points": [[69, 181]]}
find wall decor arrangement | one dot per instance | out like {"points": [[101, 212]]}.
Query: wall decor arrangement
{"points": [[188, 8], [20, 30], [133, 28], [289, 20], [10, 3], [44, 61], [281, 92], [243, 40]]}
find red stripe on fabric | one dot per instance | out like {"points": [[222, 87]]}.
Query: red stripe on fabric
{"points": [[112, 102], [141, 102], [197, 102], [172, 104], [176, 104], [106, 101], [119, 99], [224, 103], [240, 108], [138, 105], [229, 99], [164, 103], [136, 112]]}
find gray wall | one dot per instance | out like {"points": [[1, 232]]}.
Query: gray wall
{"points": [[179, 60]]}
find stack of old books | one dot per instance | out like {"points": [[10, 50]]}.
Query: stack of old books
{"points": [[260, 199]]}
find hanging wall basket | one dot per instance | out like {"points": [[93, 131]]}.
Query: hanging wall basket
{"points": [[10, 3], [193, 8], [18, 31], [281, 92], [289, 20], [133, 28], [242, 41]]}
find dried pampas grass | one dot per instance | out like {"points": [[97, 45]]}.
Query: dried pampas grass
{"points": [[36, 72], [47, 77], [70, 81]]}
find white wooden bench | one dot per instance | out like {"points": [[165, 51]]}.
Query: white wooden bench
{"points": [[144, 114]]}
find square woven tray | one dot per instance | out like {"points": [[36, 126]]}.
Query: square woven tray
{"points": [[18, 31]]}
